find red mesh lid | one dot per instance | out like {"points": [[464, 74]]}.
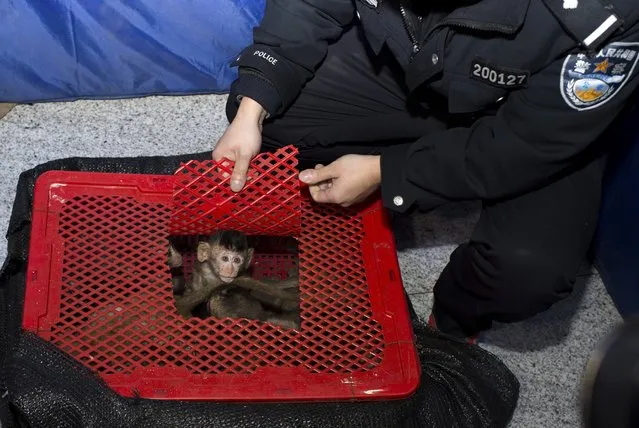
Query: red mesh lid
{"points": [[269, 204], [99, 287]]}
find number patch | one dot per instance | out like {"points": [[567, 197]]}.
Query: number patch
{"points": [[501, 77]]}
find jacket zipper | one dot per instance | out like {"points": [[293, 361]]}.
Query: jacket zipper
{"points": [[409, 30], [453, 23]]}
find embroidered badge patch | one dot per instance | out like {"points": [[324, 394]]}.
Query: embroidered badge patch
{"points": [[590, 81]]}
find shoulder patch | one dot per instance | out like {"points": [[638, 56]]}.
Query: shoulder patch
{"points": [[588, 82]]}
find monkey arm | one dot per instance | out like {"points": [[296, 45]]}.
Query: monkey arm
{"points": [[187, 302], [285, 284], [285, 304], [270, 294]]}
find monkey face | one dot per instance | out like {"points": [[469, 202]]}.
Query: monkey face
{"points": [[226, 263]]}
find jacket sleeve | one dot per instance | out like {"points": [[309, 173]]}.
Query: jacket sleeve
{"points": [[288, 46], [539, 133]]}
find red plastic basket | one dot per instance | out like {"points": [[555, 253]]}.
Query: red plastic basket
{"points": [[98, 287]]}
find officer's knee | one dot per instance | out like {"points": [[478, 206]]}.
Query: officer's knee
{"points": [[530, 281]]}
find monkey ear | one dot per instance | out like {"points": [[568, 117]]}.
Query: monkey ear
{"points": [[203, 251], [249, 258]]}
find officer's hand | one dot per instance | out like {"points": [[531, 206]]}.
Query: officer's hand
{"points": [[347, 181], [241, 141]]}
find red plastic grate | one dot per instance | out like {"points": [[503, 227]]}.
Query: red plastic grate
{"points": [[269, 204], [99, 288]]}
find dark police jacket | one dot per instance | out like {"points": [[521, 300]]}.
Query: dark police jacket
{"points": [[541, 79]]}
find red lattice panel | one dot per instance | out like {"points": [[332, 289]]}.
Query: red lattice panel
{"points": [[99, 288], [269, 204]]}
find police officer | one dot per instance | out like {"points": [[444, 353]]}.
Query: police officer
{"points": [[504, 101]]}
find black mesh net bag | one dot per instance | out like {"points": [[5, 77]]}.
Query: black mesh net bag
{"points": [[42, 386]]}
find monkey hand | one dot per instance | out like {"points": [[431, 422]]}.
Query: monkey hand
{"points": [[187, 302], [175, 258], [283, 322], [347, 181], [241, 141]]}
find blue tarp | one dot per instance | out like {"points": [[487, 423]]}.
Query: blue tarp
{"points": [[70, 49]]}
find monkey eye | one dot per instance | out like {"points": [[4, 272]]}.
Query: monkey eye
{"points": [[237, 260], [225, 258]]}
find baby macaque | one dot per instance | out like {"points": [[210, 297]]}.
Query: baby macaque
{"points": [[223, 257], [221, 287]]}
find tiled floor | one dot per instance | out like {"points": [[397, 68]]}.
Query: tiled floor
{"points": [[547, 353]]}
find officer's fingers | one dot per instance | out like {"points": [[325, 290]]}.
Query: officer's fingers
{"points": [[322, 196], [318, 175], [325, 184], [218, 153], [224, 146], [314, 190], [224, 167], [223, 157], [238, 178]]}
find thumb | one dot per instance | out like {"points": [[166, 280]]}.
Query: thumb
{"points": [[315, 176], [238, 178]]}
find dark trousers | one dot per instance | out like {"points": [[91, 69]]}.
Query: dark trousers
{"points": [[524, 253]]}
